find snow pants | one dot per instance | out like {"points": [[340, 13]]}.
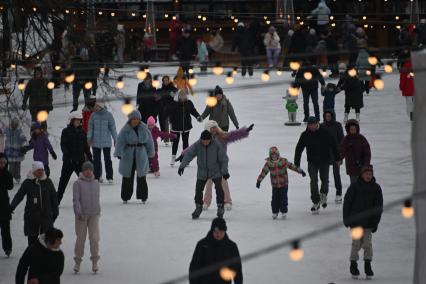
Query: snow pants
{"points": [[127, 186], [366, 243], [82, 226], [279, 202], [313, 170], [208, 192], [6, 239], [199, 188], [15, 169], [153, 163]]}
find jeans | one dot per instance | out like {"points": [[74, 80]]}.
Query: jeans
{"points": [[314, 97], [313, 169], [185, 138], [366, 243], [279, 200], [77, 86], [97, 163], [273, 55], [337, 179], [199, 188]]}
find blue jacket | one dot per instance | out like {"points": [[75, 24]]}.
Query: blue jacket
{"points": [[132, 147], [101, 128], [15, 140]]}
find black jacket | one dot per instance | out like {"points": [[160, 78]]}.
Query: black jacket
{"points": [[180, 115], [6, 183], [39, 95], [312, 84], [360, 197], [75, 149], [41, 263], [165, 96], [147, 101], [354, 90], [318, 145], [243, 41], [186, 48], [41, 208], [335, 129], [210, 251]]}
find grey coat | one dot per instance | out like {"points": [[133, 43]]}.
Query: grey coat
{"points": [[221, 113], [212, 161], [101, 129], [134, 148], [85, 197]]}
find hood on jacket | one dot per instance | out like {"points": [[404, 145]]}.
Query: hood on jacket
{"points": [[42, 241], [31, 176], [322, 4], [350, 123], [82, 177], [274, 151], [333, 115]]}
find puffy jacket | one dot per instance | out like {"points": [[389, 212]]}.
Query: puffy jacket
{"points": [[75, 149], [101, 129], [272, 40], [6, 184], [335, 129], [15, 141], [212, 161], [39, 95], [221, 113], [406, 81], [322, 12], [362, 65], [180, 115], [354, 90], [86, 196], [41, 146]]}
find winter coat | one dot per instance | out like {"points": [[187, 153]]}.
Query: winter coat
{"points": [[406, 81], [335, 129], [210, 251], [354, 90], [156, 133], [38, 93], [277, 169], [6, 184], [85, 197], [41, 145], [319, 144], [362, 65], [309, 85], [166, 92], [359, 198], [202, 52], [81, 70], [298, 44], [180, 115], [216, 42], [322, 13], [101, 129], [186, 48], [86, 113], [15, 141], [221, 113], [212, 161], [272, 41], [148, 101], [75, 149], [330, 91], [42, 263], [244, 42], [41, 208], [134, 148], [355, 150]]}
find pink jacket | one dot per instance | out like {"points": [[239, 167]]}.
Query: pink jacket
{"points": [[156, 133]]}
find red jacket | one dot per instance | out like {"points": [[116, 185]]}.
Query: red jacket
{"points": [[406, 81], [86, 116]]}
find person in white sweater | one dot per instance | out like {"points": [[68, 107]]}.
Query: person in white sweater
{"points": [[273, 46], [87, 210]]}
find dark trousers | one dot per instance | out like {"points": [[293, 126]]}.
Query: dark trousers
{"points": [[348, 109], [127, 186], [225, 128], [66, 172], [337, 179], [199, 188], [313, 169], [31, 239], [185, 67], [77, 86], [47, 170], [6, 239], [185, 138], [279, 202], [366, 86], [246, 64], [164, 124], [97, 162], [314, 97]]}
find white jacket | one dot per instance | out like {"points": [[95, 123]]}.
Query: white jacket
{"points": [[272, 40]]}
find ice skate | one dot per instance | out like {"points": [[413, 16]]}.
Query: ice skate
{"points": [[124, 201], [101, 180], [17, 181], [205, 207], [157, 174], [95, 267], [338, 199], [315, 208], [172, 162], [354, 270], [345, 119], [8, 252], [358, 117], [110, 181], [228, 206], [274, 216], [77, 261], [220, 211], [283, 215], [197, 212], [323, 201], [367, 269]]}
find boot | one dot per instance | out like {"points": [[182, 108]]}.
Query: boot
{"points": [[354, 270], [323, 198], [367, 268], [77, 261], [274, 215], [197, 211], [220, 210], [358, 117], [95, 267], [345, 119]]}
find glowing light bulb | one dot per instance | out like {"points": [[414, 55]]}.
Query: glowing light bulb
{"points": [[112, 14], [294, 65], [88, 85], [127, 107], [192, 81], [204, 19], [190, 70], [357, 233], [166, 16], [296, 253], [408, 210], [57, 67], [352, 72], [100, 13], [307, 75], [229, 79], [133, 14], [211, 101], [70, 78], [265, 76], [293, 91], [21, 85], [12, 66], [388, 68], [234, 71], [120, 84], [42, 116], [235, 20], [227, 274], [217, 70], [102, 69], [50, 85], [324, 74], [368, 72], [372, 60], [279, 72], [141, 75], [379, 84]]}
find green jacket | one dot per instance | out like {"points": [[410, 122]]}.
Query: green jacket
{"points": [[212, 161]]}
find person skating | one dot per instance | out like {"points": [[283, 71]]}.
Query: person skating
{"points": [[364, 196], [354, 89], [101, 129], [147, 99], [212, 163], [406, 85], [167, 92], [355, 149], [75, 151], [134, 147], [41, 208], [273, 47], [43, 261], [329, 93], [215, 247], [156, 133], [319, 144], [336, 130], [87, 210], [277, 167], [15, 142], [6, 184]]}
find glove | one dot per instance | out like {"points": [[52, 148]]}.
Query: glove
{"points": [[302, 172], [258, 184], [226, 176], [250, 128], [54, 155], [24, 150], [24, 107], [180, 171], [199, 119], [179, 159]]}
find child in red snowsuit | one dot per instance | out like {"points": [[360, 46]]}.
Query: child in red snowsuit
{"points": [[155, 132]]}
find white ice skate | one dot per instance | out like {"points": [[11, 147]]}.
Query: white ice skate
{"points": [[228, 206], [172, 162], [110, 181], [323, 198], [284, 215], [77, 264], [205, 207], [274, 216], [157, 174], [338, 199], [315, 208]]}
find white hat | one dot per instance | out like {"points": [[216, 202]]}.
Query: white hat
{"points": [[100, 104], [37, 165], [240, 24], [75, 115], [209, 124]]}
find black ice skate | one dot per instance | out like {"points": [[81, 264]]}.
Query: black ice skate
{"points": [[220, 210], [197, 212], [368, 271], [315, 208], [354, 270]]}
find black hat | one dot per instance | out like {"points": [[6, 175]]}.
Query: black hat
{"points": [[312, 120], [206, 135], [218, 90], [368, 168], [218, 224]]}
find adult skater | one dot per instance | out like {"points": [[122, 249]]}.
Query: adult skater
{"points": [[212, 163], [134, 147], [41, 208], [43, 261], [319, 144], [215, 247], [354, 89], [6, 184], [362, 197], [147, 99], [406, 85]]}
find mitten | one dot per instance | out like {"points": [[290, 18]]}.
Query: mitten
{"points": [[258, 184], [226, 176], [302, 172], [250, 128], [54, 156], [180, 171]]}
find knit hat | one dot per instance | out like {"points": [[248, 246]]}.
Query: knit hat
{"points": [[37, 165], [134, 115], [218, 90], [368, 168], [151, 120], [87, 166], [206, 135], [209, 124], [312, 120], [100, 104], [218, 224], [75, 115]]}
